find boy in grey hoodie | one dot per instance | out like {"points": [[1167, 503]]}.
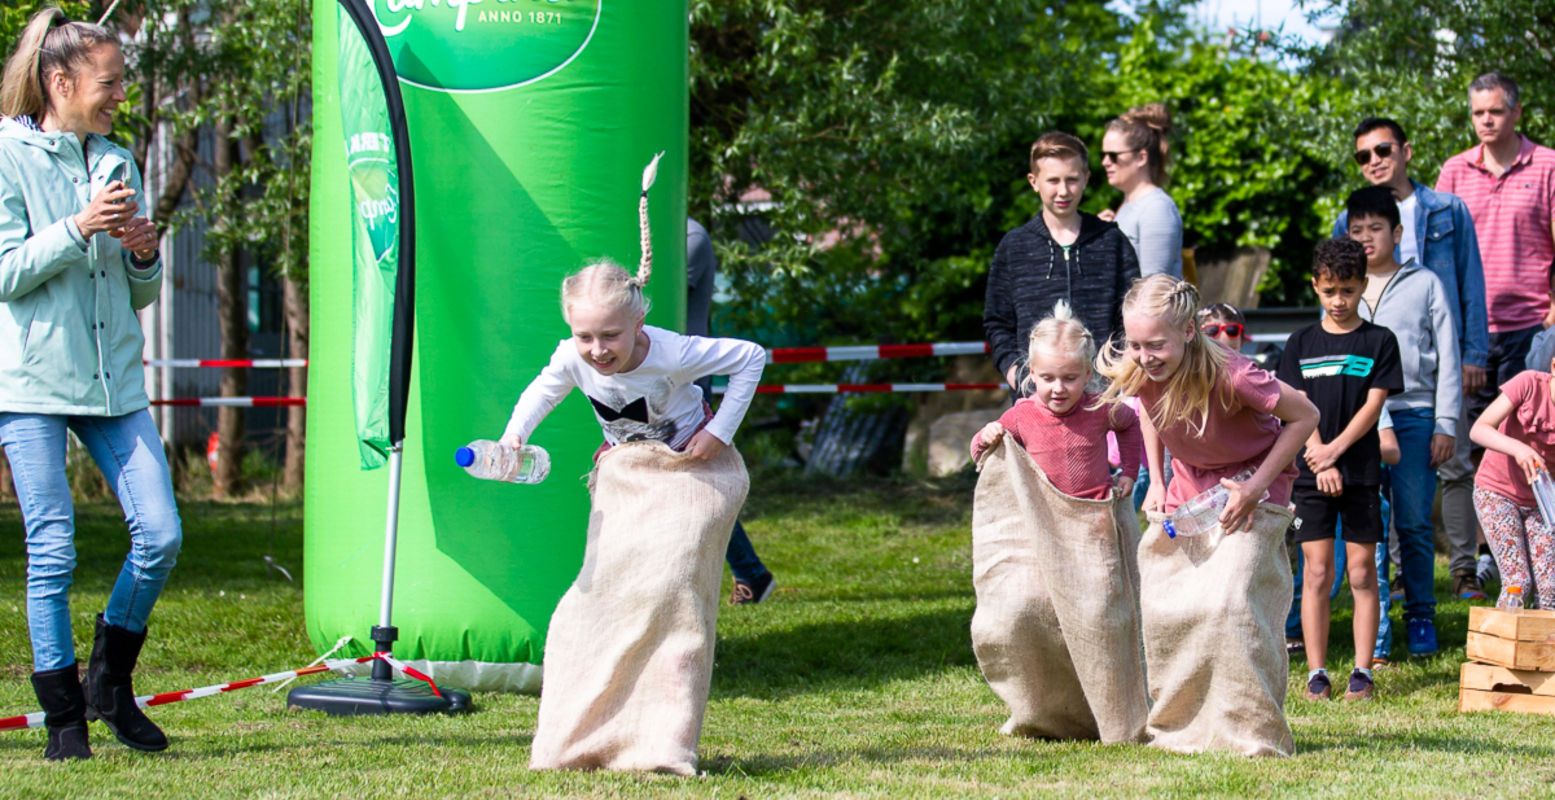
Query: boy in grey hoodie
{"points": [[1411, 301]]}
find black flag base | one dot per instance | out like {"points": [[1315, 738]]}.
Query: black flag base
{"points": [[349, 697], [379, 694]]}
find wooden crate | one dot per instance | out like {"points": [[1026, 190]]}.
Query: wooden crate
{"points": [[1522, 640], [1484, 687], [1525, 625]]}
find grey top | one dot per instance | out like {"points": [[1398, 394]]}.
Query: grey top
{"points": [[1154, 227], [1415, 307], [701, 270]]}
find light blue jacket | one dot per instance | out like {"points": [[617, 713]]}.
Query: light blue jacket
{"points": [[69, 339], [1415, 307], [1448, 246]]}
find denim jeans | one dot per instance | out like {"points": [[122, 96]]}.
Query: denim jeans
{"points": [[129, 452], [744, 564], [1384, 599], [1413, 482]]}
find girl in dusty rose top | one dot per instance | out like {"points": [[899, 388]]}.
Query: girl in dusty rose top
{"points": [[1063, 428], [1518, 434], [1216, 412]]}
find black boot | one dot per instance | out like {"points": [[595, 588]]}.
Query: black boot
{"points": [[64, 710], [109, 695]]}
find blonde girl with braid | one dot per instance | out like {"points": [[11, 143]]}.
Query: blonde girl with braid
{"points": [[640, 379], [1061, 426], [1214, 410]]}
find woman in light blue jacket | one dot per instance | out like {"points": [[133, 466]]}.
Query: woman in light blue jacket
{"points": [[77, 260]]}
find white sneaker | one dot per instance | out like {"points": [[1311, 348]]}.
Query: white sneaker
{"points": [[1486, 570]]}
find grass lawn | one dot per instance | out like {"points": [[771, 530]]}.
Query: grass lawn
{"points": [[856, 679]]}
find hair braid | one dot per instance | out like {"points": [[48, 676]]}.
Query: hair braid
{"points": [[645, 265]]}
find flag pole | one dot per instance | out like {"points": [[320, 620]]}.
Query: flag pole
{"points": [[380, 693]]}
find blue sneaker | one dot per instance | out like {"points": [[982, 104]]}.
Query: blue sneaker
{"points": [[1422, 637]]}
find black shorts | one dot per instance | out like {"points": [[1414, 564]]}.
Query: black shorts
{"points": [[1358, 509]]}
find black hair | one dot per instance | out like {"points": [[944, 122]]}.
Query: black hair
{"points": [[1373, 201], [1339, 260], [1222, 311], [1373, 123]]}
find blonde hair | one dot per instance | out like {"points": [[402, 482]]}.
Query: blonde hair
{"points": [[49, 43], [608, 284], [1188, 392], [1146, 128], [1061, 334], [1057, 144]]}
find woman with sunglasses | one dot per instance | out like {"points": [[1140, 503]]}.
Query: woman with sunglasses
{"points": [[1133, 153]]}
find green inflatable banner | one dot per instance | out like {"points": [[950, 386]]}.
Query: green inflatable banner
{"points": [[374, 188], [530, 123]]}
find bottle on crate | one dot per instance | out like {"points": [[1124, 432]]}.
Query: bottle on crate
{"points": [[1514, 598], [494, 461], [1200, 514]]}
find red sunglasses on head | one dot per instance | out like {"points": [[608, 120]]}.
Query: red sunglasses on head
{"points": [[1232, 329]]}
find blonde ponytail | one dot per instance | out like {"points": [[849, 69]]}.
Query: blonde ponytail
{"points": [[1062, 333], [50, 42]]}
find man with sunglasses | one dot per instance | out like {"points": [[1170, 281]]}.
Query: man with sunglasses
{"points": [[1439, 234]]}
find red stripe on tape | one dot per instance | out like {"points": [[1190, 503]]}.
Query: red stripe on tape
{"points": [[796, 355], [906, 350]]}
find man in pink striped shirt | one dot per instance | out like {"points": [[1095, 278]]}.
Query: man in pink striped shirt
{"points": [[1508, 183]]}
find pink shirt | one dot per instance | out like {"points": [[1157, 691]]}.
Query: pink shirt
{"points": [[1072, 449], [1238, 433], [1512, 216], [1531, 422]]}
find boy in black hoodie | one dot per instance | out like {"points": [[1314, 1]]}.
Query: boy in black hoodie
{"points": [[1061, 254]]}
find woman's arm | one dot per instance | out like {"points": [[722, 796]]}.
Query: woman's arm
{"points": [[1300, 418]]}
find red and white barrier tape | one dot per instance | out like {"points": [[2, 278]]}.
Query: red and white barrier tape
{"points": [[35, 719], [226, 363], [240, 402], [872, 352], [870, 388]]}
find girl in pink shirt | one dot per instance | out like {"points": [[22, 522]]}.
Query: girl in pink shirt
{"points": [[1063, 428], [1518, 434], [1217, 412]]}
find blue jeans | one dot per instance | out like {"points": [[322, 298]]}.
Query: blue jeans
{"points": [[745, 565], [1384, 599], [1413, 482], [129, 452]]}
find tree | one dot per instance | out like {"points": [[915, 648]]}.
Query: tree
{"points": [[891, 139], [241, 71]]}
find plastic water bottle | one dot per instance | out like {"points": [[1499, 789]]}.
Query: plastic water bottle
{"points": [[494, 461], [1514, 598], [1544, 496], [1200, 514]]}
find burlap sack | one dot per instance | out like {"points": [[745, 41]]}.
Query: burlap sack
{"points": [[629, 656], [1214, 620], [1056, 631]]}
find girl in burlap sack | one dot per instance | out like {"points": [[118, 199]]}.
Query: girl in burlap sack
{"points": [[1213, 615], [629, 651], [1056, 631]]}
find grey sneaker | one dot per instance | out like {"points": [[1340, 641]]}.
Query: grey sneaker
{"points": [[1319, 687], [1361, 687]]}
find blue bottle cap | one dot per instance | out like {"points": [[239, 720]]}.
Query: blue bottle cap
{"points": [[464, 456], [1171, 530]]}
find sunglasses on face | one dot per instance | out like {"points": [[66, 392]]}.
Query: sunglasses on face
{"points": [[1108, 155], [1232, 329], [1383, 150]]}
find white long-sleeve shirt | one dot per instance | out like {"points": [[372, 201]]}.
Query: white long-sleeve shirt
{"points": [[659, 399]]}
